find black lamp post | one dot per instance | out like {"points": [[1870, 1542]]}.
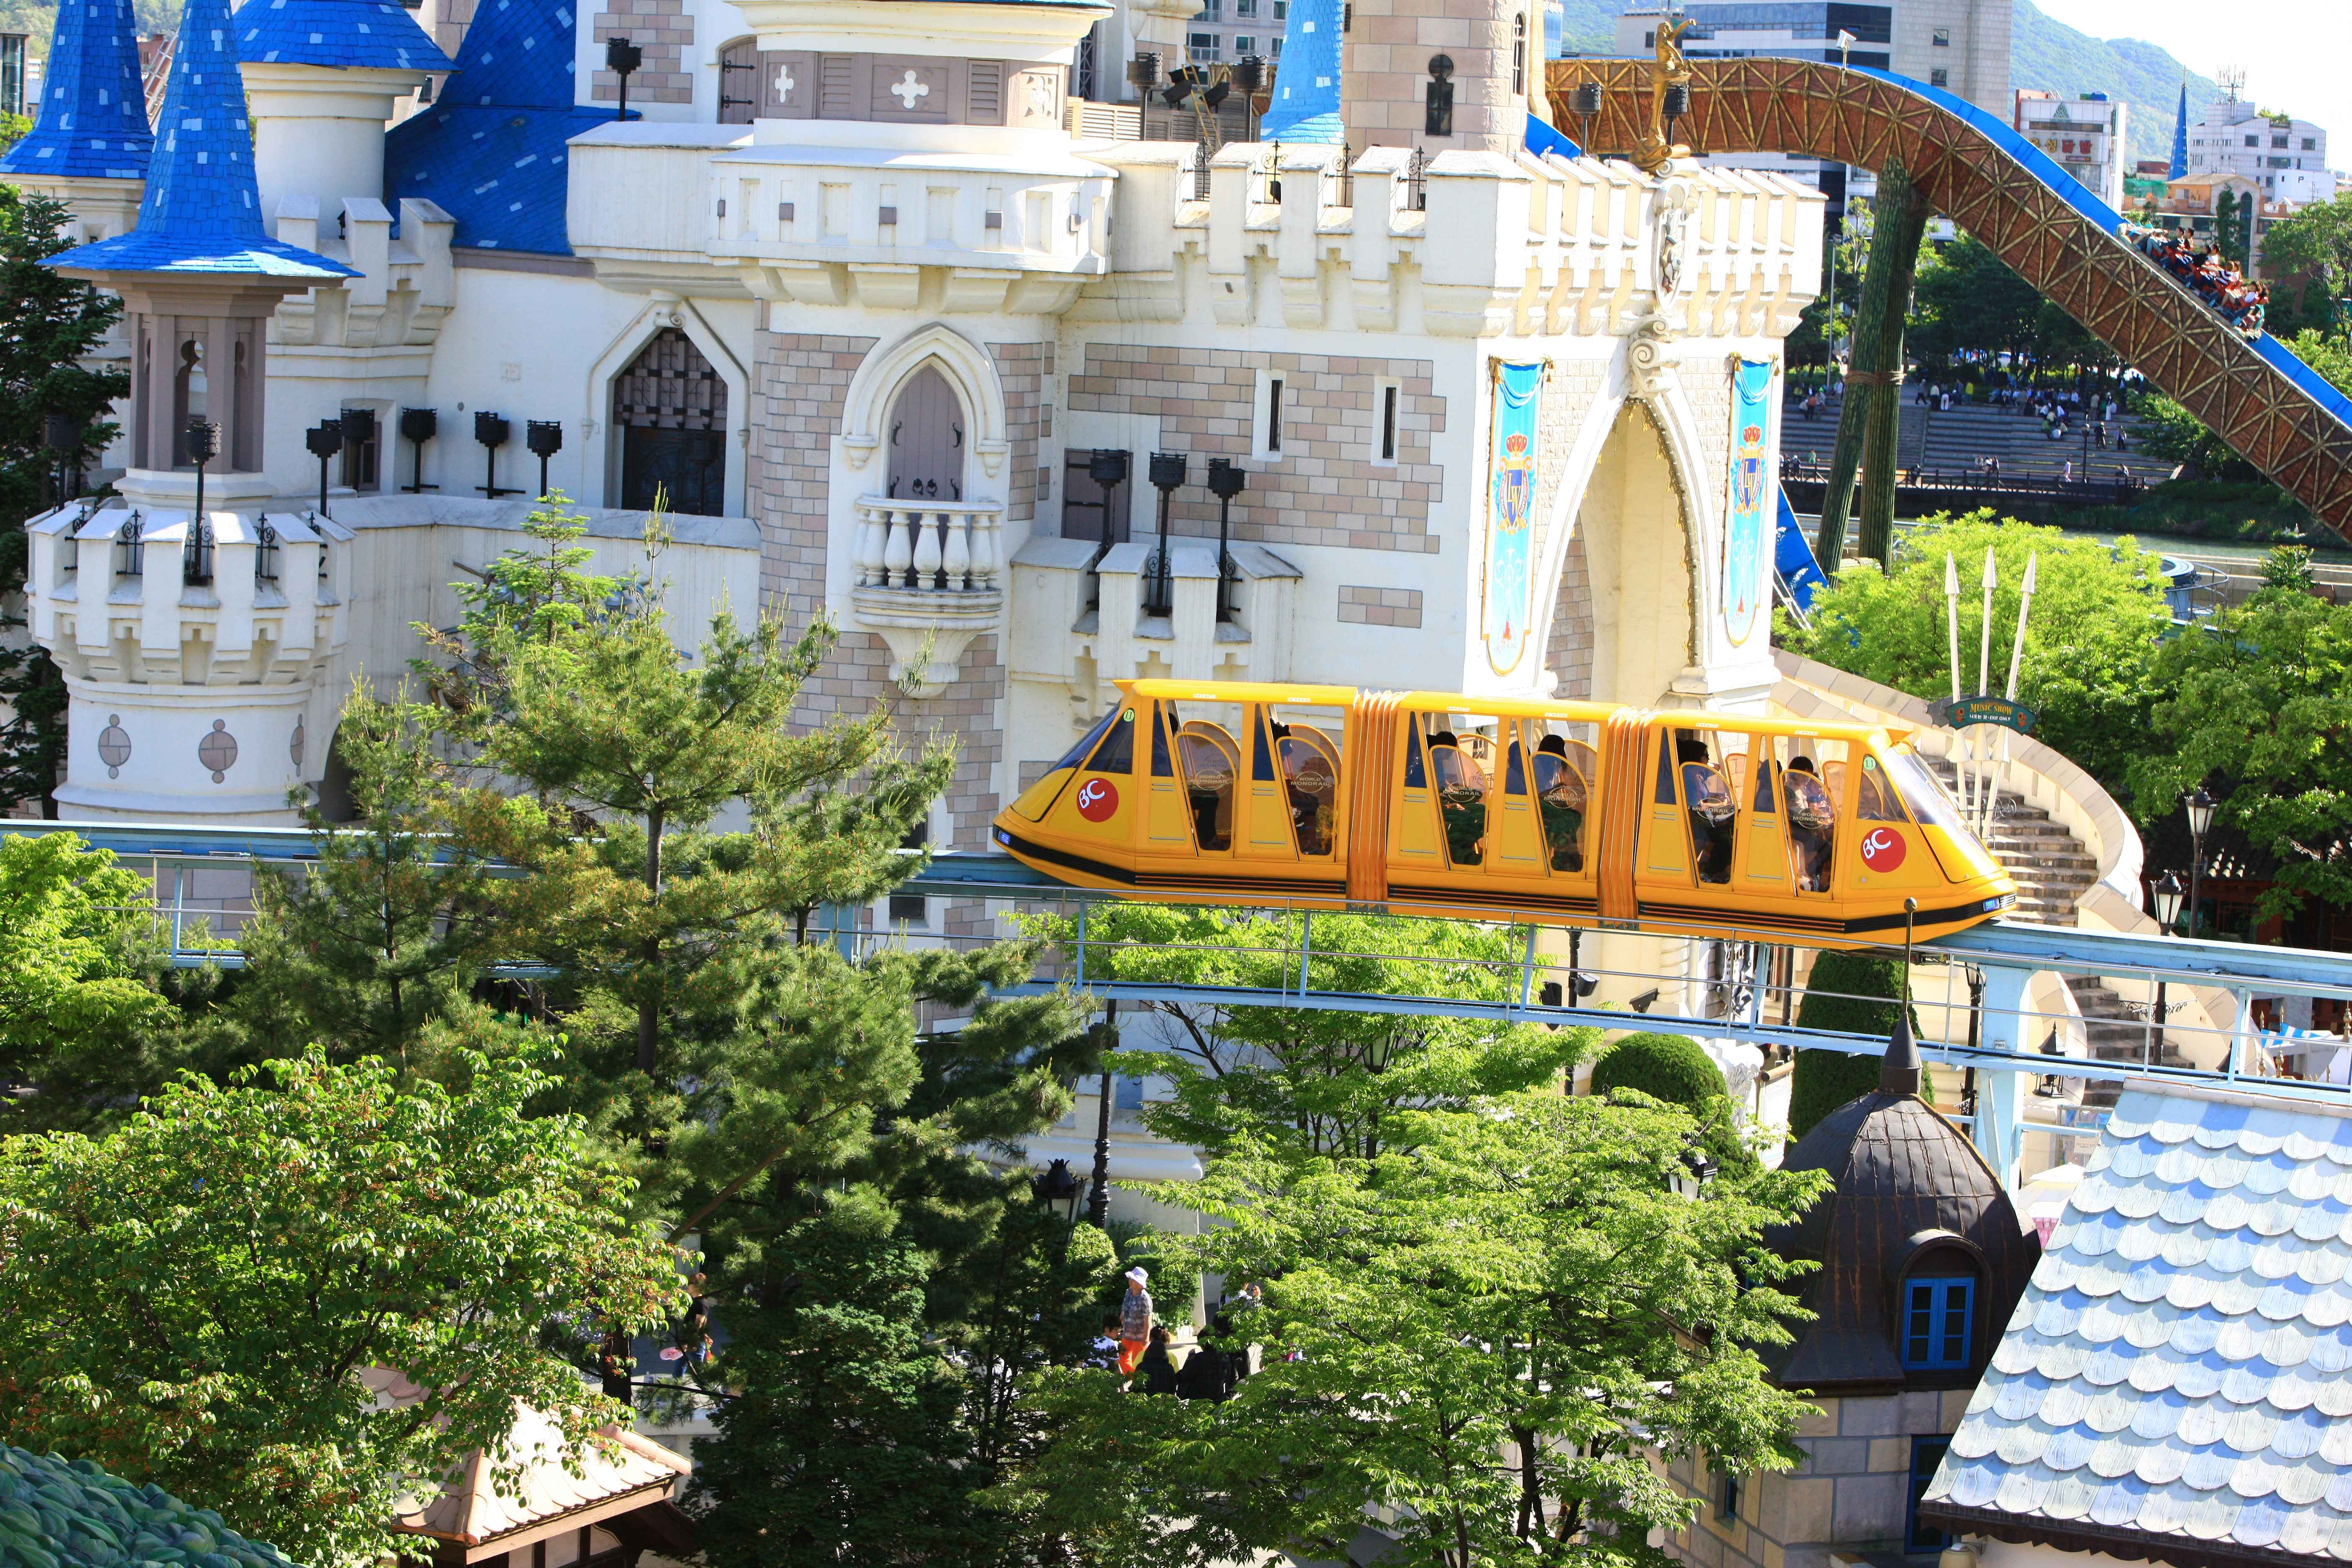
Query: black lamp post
{"points": [[1587, 105], [324, 439], [61, 434], [1225, 482], [1058, 1187], [1168, 478], [545, 438], [621, 58], [202, 439], [492, 430], [1109, 470], [2200, 807], [2168, 911], [1098, 1189], [418, 425], [1249, 75]]}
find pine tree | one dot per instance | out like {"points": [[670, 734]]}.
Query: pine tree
{"points": [[48, 323]]}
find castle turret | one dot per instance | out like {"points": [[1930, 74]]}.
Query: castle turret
{"points": [[191, 618], [91, 144], [1463, 76], [322, 77]]}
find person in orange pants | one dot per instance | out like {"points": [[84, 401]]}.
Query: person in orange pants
{"points": [[1134, 1323]]}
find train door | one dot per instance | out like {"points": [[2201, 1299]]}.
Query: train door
{"points": [[1812, 800], [1713, 821], [1564, 774], [1542, 802], [1416, 845], [1167, 819], [1295, 800], [1208, 760]]}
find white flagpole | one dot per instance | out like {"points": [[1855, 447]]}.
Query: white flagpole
{"points": [[2016, 656], [1952, 635], [1984, 683]]}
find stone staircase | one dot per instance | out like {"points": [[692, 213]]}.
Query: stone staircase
{"points": [[2052, 870]]}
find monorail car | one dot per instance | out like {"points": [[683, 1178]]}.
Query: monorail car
{"points": [[1562, 813]]}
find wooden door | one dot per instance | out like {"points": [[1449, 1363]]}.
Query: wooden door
{"points": [[927, 441]]}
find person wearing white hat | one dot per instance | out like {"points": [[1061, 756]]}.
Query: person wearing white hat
{"points": [[1134, 1323]]}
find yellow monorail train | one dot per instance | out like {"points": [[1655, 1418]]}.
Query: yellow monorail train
{"points": [[1562, 813]]}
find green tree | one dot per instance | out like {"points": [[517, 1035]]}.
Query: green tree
{"points": [[2307, 256], [2098, 617], [47, 325], [1672, 1067], [1840, 994], [384, 937], [1965, 297], [196, 1298], [2259, 703], [1495, 1320], [77, 1014]]}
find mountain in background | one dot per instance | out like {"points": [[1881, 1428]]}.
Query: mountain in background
{"points": [[2043, 53]]}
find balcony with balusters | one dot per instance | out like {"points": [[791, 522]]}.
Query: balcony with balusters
{"points": [[929, 578]]}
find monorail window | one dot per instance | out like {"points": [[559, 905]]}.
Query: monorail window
{"points": [[1308, 742], [1456, 761], [1117, 753], [1565, 766], [1923, 792], [1077, 755], [1709, 798], [1812, 778], [1210, 764], [1874, 798]]}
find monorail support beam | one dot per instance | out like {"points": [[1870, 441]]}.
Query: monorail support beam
{"points": [[2000, 1096]]}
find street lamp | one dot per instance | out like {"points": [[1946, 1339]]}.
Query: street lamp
{"points": [[418, 425], [61, 434], [545, 438], [1108, 472], [323, 440], [492, 430], [621, 58], [1058, 1188], [202, 437], [1168, 474], [1225, 482], [2201, 818], [2168, 910]]}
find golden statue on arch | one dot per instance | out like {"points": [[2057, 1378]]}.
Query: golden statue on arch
{"points": [[1668, 71]]}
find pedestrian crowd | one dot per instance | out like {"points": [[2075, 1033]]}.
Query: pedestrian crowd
{"points": [[1140, 1348]]}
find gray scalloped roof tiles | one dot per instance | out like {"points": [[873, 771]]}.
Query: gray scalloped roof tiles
{"points": [[2182, 1364]]}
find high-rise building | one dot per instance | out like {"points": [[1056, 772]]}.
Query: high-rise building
{"points": [[1960, 46], [2087, 135], [2288, 157]]}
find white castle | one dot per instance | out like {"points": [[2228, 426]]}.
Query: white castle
{"points": [[905, 335]]}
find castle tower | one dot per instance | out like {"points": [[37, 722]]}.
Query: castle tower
{"points": [[321, 77], [192, 634], [1462, 76], [2179, 168], [1305, 105], [91, 144]]}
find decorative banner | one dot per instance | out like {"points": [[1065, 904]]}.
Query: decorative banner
{"points": [[1744, 518], [1509, 604], [1960, 712]]}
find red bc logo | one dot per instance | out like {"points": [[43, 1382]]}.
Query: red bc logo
{"points": [[1883, 849], [1097, 798]]}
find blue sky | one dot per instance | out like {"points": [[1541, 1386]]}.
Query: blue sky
{"points": [[2297, 53]]}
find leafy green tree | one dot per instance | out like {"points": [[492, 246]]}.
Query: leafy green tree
{"points": [[194, 1298], [77, 1014], [1672, 1067], [2307, 256], [1840, 994], [47, 324], [1324, 1081], [2260, 703], [2098, 618], [1495, 1322], [1965, 297]]}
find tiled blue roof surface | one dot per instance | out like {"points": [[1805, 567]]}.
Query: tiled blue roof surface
{"points": [[491, 151], [201, 212], [92, 118], [2178, 1377], [353, 35], [1305, 105]]}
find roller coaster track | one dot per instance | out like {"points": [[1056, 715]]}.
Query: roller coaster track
{"points": [[2270, 408]]}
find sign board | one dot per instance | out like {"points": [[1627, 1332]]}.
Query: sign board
{"points": [[1960, 712]]}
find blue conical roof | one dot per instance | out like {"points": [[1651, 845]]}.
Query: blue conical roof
{"points": [[349, 35], [1305, 105], [201, 212], [491, 151], [92, 118], [2179, 169]]}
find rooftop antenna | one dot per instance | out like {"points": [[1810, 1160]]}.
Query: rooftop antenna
{"points": [[2232, 79]]}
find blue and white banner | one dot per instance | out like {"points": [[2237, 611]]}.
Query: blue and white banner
{"points": [[1752, 483], [1509, 603]]}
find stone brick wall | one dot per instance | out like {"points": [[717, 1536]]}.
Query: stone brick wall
{"points": [[1850, 1493], [665, 32], [1325, 488], [800, 383], [1568, 651], [1027, 371], [1567, 394], [1379, 607]]}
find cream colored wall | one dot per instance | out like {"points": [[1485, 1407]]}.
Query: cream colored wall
{"points": [[1637, 550]]}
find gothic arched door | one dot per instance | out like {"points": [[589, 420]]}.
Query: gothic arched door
{"points": [[927, 441], [671, 408]]}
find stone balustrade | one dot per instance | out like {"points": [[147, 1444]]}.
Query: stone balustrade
{"points": [[929, 578]]}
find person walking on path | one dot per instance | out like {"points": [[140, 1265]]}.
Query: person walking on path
{"points": [[1134, 1321]]}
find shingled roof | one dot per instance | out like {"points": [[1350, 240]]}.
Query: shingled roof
{"points": [[77, 1515], [2177, 1381]]}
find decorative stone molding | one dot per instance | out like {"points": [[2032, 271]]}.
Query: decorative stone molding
{"points": [[969, 370]]}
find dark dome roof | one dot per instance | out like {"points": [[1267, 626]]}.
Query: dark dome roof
{"points": [[1908, 1182]]}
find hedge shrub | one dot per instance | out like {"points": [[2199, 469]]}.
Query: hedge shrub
{"points": [[1674, 1069], [1827, 1079]]}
